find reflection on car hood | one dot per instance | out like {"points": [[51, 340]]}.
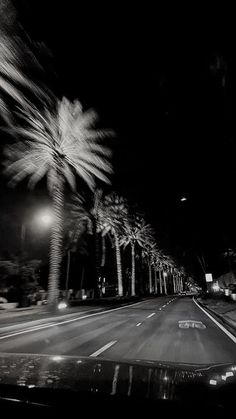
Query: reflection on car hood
{"points": [[145, 379]]}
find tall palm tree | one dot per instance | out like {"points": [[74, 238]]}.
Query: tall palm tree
{"points": [[87, 212], [59, 144], [111, 220], [171, 265], [161, 269], [155, 261], [136, 232], [16, 48], [148, 254]]}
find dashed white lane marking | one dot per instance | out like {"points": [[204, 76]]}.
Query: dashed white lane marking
{"points": [[104, 348], [164, 306], [150, 315], [159, 308], [138, 324], [232, 337]]}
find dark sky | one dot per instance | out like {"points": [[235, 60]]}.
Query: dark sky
{"points": [[167, 87]]}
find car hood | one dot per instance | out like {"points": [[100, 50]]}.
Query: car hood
{"points": [[142, 379]]}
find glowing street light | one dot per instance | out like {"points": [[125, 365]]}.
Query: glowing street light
{"points": [[183, 199], [44, 218]]}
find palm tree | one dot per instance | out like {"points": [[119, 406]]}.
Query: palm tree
{"points": [[155, 260], [148, 254], [168, 264], [136, 232], [59, 144], [15, 84], [162, 273], [111, 220], [87, 213], [182, 274]]}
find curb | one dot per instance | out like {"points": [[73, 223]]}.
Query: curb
{"points": [[231, 324]]}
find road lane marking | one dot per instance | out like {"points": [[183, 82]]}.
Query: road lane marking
{"points": [[230, 335], [104, 348], [68, 321], [186, 324], [150, 315], [164, 306], [138, 324], [21, 332]]}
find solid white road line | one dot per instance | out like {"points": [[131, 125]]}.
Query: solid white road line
{"points": [[138, 324], [150, 315], [68, 321], [104, 348], [32, 329], [232, 337]]}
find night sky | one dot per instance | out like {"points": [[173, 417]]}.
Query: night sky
{"points": [[168, 89]]}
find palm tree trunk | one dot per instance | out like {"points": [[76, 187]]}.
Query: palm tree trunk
{"points": [[133, 269], [97, 263], [178, 284], [150, 277], [55, 257], [155, 280], [174, 283], [67, 273], [164, 278], [160, 279], [103, 252], [82, 281], [118, 266]]}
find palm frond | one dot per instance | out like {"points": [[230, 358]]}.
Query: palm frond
{"points": [[59, 141], [14, 82]]}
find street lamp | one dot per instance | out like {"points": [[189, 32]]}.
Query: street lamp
{"points": [[43, 218]]}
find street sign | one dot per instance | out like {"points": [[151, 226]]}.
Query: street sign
{"points": [[209, 277]]}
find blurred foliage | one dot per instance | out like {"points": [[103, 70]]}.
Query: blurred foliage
{"points": [[24, 274]]}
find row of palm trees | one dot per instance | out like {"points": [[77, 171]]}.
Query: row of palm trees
{"points": [[111, 217], [59, 140]]}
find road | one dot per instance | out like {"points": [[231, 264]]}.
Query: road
{"points": [[163, 329]]}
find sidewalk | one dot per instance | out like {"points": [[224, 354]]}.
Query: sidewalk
{"points": [[225, 310]]}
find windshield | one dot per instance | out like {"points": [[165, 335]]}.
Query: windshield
{"points": [[117, 218]]}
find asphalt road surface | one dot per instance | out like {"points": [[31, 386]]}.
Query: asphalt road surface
{"points": [[172, 329]]}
